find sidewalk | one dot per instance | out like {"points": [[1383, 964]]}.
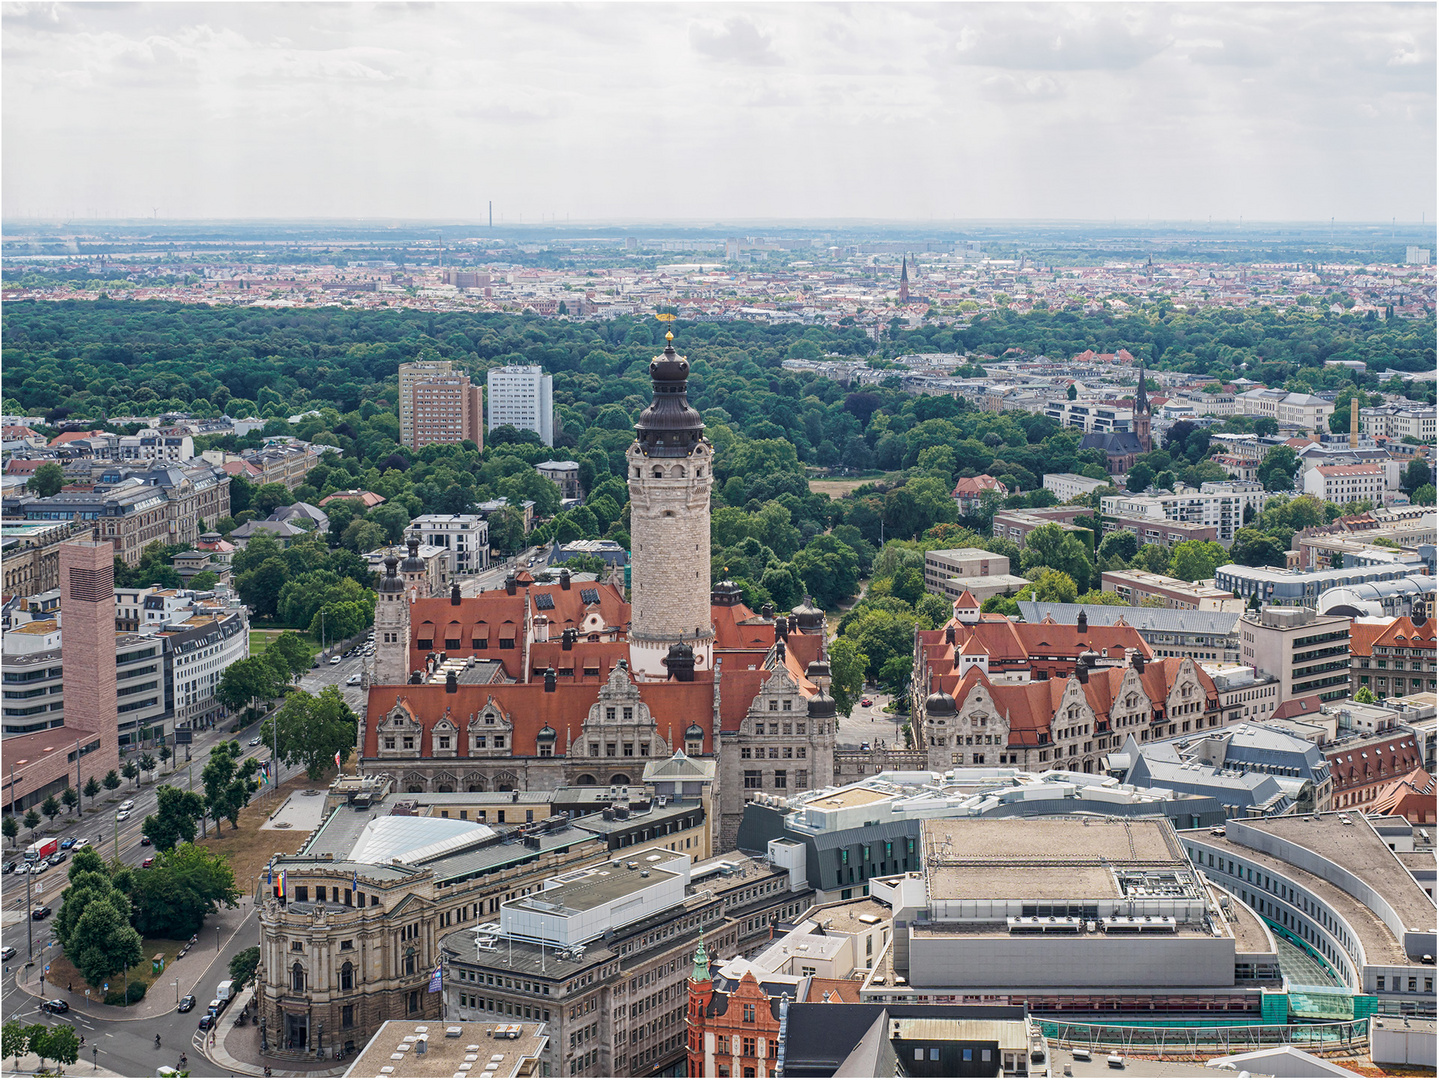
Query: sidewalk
{"points": [[238, 1049], [159, 999]]}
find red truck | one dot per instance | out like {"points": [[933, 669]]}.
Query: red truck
{"points": [[41, 849]]}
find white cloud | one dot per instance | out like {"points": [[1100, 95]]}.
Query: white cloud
{"points": [[720, 110]]}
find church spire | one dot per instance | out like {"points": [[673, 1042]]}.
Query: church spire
{"points": [[1141, 400], [904, 279]]}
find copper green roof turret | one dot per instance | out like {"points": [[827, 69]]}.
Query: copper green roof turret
{"points": [[702, 963]]}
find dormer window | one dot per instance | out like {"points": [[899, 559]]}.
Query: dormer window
{"points": [[444, 742], [409, 742]]}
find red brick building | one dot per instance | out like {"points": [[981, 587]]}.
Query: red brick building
{"points": [[734, 1029]]}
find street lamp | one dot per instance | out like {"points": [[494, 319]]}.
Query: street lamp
{"points": [[176, 985]]}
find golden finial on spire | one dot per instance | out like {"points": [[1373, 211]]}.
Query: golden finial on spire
{"points": [[669, 335]]}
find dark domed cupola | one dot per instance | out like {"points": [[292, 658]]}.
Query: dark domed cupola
{"points": [[413, 564], [670, 426], [939, 704], [810, 617], [821, 706], [390, 584]]}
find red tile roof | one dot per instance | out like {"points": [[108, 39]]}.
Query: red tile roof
{"points": [[528, 708]]}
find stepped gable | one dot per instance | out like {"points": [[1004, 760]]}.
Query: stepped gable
{"points": [[738, 689], [1030, 707], [528, 708]]}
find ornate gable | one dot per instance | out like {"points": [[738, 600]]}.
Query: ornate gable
{"points": [[490, 731]]}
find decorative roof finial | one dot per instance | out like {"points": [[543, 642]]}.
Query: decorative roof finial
{"points": [[669, 335]]}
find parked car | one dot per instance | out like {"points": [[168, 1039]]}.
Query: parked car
{"points": [[6, 953], [67, 843], [215, 1006], [186, 1003], [55, 1006], [40, 913], [149, 862], [207, 1022], [144, 841]]}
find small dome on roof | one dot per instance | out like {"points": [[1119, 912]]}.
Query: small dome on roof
{"points": [[939, 704], [694, 731], [821, 706], [413, 564], [810, 618], [546, 734], [390, 584]]}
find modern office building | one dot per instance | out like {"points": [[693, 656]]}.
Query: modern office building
{"points": [[942, 567], [522, 396], [1302, 588], [603, 954], [1329, 884], [1307, 653], [1207, 636], [1220, 504], [1068, 915], [1137, 586]]}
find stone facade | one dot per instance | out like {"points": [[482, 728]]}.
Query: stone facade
{"points": [[670, 557], [785, 744]]}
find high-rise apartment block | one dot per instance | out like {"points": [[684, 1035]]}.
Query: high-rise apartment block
{"points": [[439, 404], [523, 397]]}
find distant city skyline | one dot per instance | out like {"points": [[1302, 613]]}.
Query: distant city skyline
{"points": [[892, 114]]}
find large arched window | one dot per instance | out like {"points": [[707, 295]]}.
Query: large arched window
{"points": [[347, 976], [297, 978]]}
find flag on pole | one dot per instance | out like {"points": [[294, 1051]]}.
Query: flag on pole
{"points": [[282, 885], [270, 874], [357, 881], [337, 759], [434, 980]]}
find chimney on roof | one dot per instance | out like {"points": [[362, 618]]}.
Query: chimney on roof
{"points": [[565, 578], [455, 595], [567, 639], [949, 635], [452, 684], [779, 651], [781, 629], [416, 677], [793, 624], [1082, 622], [549, 680], [510, 585]]}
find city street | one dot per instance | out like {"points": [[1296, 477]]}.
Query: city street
{"points": [[124, 1041], [869, 723]]}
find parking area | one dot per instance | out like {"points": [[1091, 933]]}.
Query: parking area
{"points": [[867, 723]]}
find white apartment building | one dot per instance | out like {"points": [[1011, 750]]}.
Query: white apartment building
{"points": [[1090, 416], [1346, 483], [1206, 404], [1218, 503], [523, 397], [1397, 421], [1297, 410], [466, 535], [1068, 485]]}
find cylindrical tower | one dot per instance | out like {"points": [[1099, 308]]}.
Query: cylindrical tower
{"points": [[392, 628], [670, 474]]}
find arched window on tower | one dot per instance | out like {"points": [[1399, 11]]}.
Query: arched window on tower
{"points": [[297, 978], [347, 976]]}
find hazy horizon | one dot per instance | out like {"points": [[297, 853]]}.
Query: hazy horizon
{"points": [[628, 113]]}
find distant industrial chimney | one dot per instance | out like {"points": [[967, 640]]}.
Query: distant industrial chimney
{"points": [[1354, 422]]}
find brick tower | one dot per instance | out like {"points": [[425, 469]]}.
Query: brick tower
{"points": [[1142, 415], [87, 647], [670, 475]]}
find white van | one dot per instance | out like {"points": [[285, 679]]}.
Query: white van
{"points": [[336, 659]]}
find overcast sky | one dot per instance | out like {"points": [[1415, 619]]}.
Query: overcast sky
{"points": [[701, 112]]}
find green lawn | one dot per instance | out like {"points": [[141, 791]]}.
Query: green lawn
{"points": [[260, 641]]}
